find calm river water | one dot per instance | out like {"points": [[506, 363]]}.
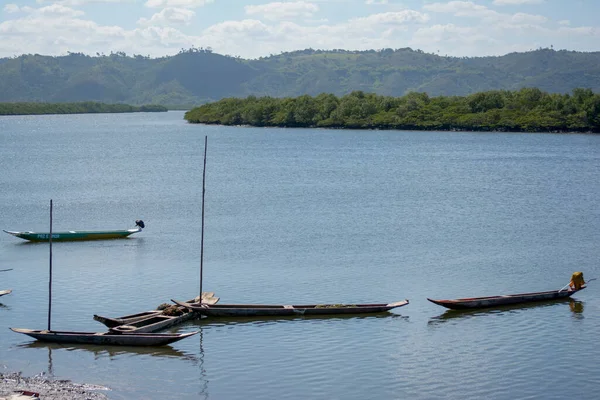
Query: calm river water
{"points": [[305, 216]]}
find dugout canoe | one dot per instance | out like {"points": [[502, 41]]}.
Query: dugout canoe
{"points": [[70, 236], [154, 320], [154, 324], [104, 338], [496, 301], [259, 310]]}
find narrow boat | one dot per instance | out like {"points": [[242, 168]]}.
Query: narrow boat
{"points": [[154, 324], [105, 338], [7, 291], [154, 320], [71, 236], [495, 301], [259, 310]]}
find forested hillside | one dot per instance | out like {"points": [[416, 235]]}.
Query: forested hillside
{"points": [[197, 76]]}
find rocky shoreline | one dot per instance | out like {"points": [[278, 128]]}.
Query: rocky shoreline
{"points": [[11, 384]]}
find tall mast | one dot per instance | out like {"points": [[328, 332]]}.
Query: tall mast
{"points": [[202, 234], [50, 275]]}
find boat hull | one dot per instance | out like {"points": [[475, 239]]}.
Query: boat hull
{"points": [[263, 310], [4, 292], [71, 236], [154, 320], [154, 324], [127, 319], [497, 301], [106, 338]]}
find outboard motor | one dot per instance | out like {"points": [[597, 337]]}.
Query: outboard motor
{"points": [[140, 223]]}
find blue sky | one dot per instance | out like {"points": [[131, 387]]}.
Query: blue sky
{"points": [[255, 28]]}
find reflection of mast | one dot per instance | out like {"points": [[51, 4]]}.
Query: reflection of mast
{"points": [[204, 383], [50, 367]]}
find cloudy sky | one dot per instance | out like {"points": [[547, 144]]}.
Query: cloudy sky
{"points": [[255, 28]]}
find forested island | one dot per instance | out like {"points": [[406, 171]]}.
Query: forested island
{"points": [[524, 110], [74, 108]]}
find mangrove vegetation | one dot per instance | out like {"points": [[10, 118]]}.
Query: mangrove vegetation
{"points": [[524, 110], [86, 107]]}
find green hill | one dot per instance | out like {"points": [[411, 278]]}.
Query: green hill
{"points": [[196, 76]]}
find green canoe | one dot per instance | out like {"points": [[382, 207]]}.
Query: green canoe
{"points": [[77, 235]]}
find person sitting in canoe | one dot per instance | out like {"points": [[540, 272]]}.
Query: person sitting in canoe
{"points": [[577, 281]]}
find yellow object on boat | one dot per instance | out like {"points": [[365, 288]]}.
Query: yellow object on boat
{"points": [[577, 280]]}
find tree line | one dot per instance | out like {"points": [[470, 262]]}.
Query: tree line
{"points": [[524, 110], [73, 108]]}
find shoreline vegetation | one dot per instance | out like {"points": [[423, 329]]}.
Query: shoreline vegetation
{"points": [[524, 110], [84, 107]]}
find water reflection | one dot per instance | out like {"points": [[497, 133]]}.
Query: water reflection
{"points": [[113, 352], [576, 308], [203, 376], [450, 315], [127, 241], [50, 366], [269, 320], [3, 306]]}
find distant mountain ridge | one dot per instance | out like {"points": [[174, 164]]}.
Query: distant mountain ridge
{"points": [[198, 76]]}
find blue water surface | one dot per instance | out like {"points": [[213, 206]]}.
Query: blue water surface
{"points": [[304, 216]]}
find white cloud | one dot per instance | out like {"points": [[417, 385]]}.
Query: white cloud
{"points": [[376, 2], [177, 3], [391, 18], [489, 18], [516, 2], [11, 8], [461, 28], [54, 10], [245, 27], [591, 31], [56, 29], [449, 33], [169, 16], [462, 9], [521, 18], [316, 21], [82, 2], [280, 11], [372, 32]]}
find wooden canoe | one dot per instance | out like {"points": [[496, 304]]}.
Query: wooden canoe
{"points": [[7, 291], [154, 324], [105, 338], [68, 236], [153, 320], [259, 310], [495, 301]]}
